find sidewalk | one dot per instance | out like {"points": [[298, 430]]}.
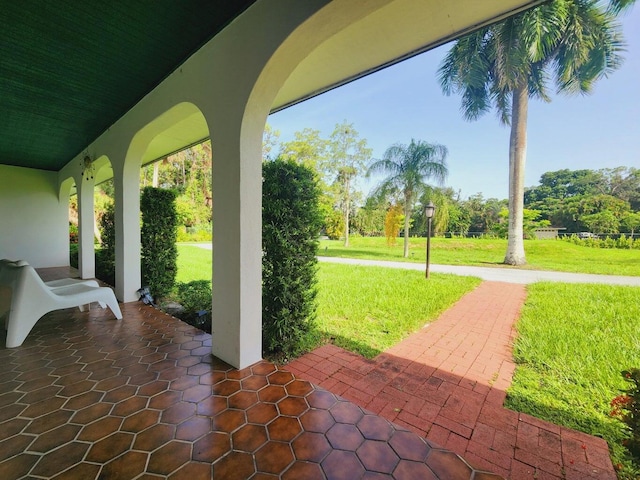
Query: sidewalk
{"points": [[447, 383], [496, 274]]}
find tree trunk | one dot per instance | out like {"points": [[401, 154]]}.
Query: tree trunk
{"points": [[407, 214], [517, 159], [346, 211], [154, 182]]}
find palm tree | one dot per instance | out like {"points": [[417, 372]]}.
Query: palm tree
{"points": [[408, 168], [574, 42]]}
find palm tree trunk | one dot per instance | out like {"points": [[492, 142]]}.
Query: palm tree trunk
{"points": [[407, 203], [346, 212], [517, 159]]}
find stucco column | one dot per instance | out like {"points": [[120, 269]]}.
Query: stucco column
{"points": [[86, 252], [126, 177]]}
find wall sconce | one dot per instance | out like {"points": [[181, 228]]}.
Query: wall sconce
{"points": [[88, 168]]}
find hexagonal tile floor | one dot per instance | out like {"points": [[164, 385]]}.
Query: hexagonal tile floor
{"points": [[89, 397]]}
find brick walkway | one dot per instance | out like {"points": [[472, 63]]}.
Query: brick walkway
{"points": [[447, 383]]}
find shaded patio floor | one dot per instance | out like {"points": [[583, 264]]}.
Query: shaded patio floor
{"points": [[447, 383], [90, 397]]}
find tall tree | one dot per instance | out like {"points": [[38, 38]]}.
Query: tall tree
{"points": [[409, 167], [348, 158], [575, 42]]}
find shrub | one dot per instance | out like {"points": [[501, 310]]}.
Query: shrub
{"points": [[291, 223], [626, 407], [106, 254], [195, 298], [159, 253]]}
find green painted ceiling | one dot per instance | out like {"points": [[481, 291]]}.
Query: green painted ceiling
{"points": [[69, 69]]}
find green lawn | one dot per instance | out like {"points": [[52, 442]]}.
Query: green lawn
{"points": [[369, 309], [541, 254], [573, 342]]}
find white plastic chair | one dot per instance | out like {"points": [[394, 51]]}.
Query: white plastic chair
{"points": [[31, 298]]}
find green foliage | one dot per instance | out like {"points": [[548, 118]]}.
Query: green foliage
{"points": [[392, 223], [623, 242], [195, 298], [369, 309], [106, 254], [573, 341], [73, 233], [291, 223], [200, 233], [159, 253], [626, 407]]}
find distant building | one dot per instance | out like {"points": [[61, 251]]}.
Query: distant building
{"points": [[547, 233]]}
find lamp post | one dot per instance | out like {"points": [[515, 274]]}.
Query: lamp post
{"points": [[429, 210]]}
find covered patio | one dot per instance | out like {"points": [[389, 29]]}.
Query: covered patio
{"points": [[90, 397]]}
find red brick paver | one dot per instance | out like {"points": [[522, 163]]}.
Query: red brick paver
{"points": [[447, 382]]}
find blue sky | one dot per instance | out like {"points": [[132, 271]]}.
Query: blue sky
{"points": [[601, 130]]}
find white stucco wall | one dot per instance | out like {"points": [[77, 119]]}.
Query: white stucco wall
{"points": [[33, 222]]}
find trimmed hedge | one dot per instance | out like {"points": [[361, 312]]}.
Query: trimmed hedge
{"points": [[291, 223]]}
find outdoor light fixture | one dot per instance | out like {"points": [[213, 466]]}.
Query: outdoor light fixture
{"points": [[88, 168], [429, 210]]}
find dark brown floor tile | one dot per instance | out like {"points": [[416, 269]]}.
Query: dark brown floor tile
{"points": [[196, 393], [193, 471], [12, 427], [228, 421], [77, 388], [71, 378], [311, 447], [49, 421], [100, 428], [164, 400], [226, 387], [263, 368], [35, 384], [153, 388], [284, 429], [249, 438], [111, 383], [408, 469], [90, 414], [129, 406], [125, 467], [239, 374], [317, 421], [299, 388], [262, 413], [253, 383], [243, 399], [280, 377], [345, 437], [211, 406], [193, 428], [341, 465], [292, 406], [377, 456], [19, 466], [15, 445], [273, 457], [444, 463], [154, 437], [119, 394], [46, 395], [110, 447], [80, 471], [234, 466], [271, 393], [61, 459], [54, 438], [140, 421], [211, 447], [346, 412], [178, 413], [143, 378], [11, 411], [409, 447], [169, 457], [303, 470], [321, 399]]}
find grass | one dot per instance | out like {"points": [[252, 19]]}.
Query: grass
{"points": [[363, 309], [369, 309], [573, 341], [554, 255]]}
